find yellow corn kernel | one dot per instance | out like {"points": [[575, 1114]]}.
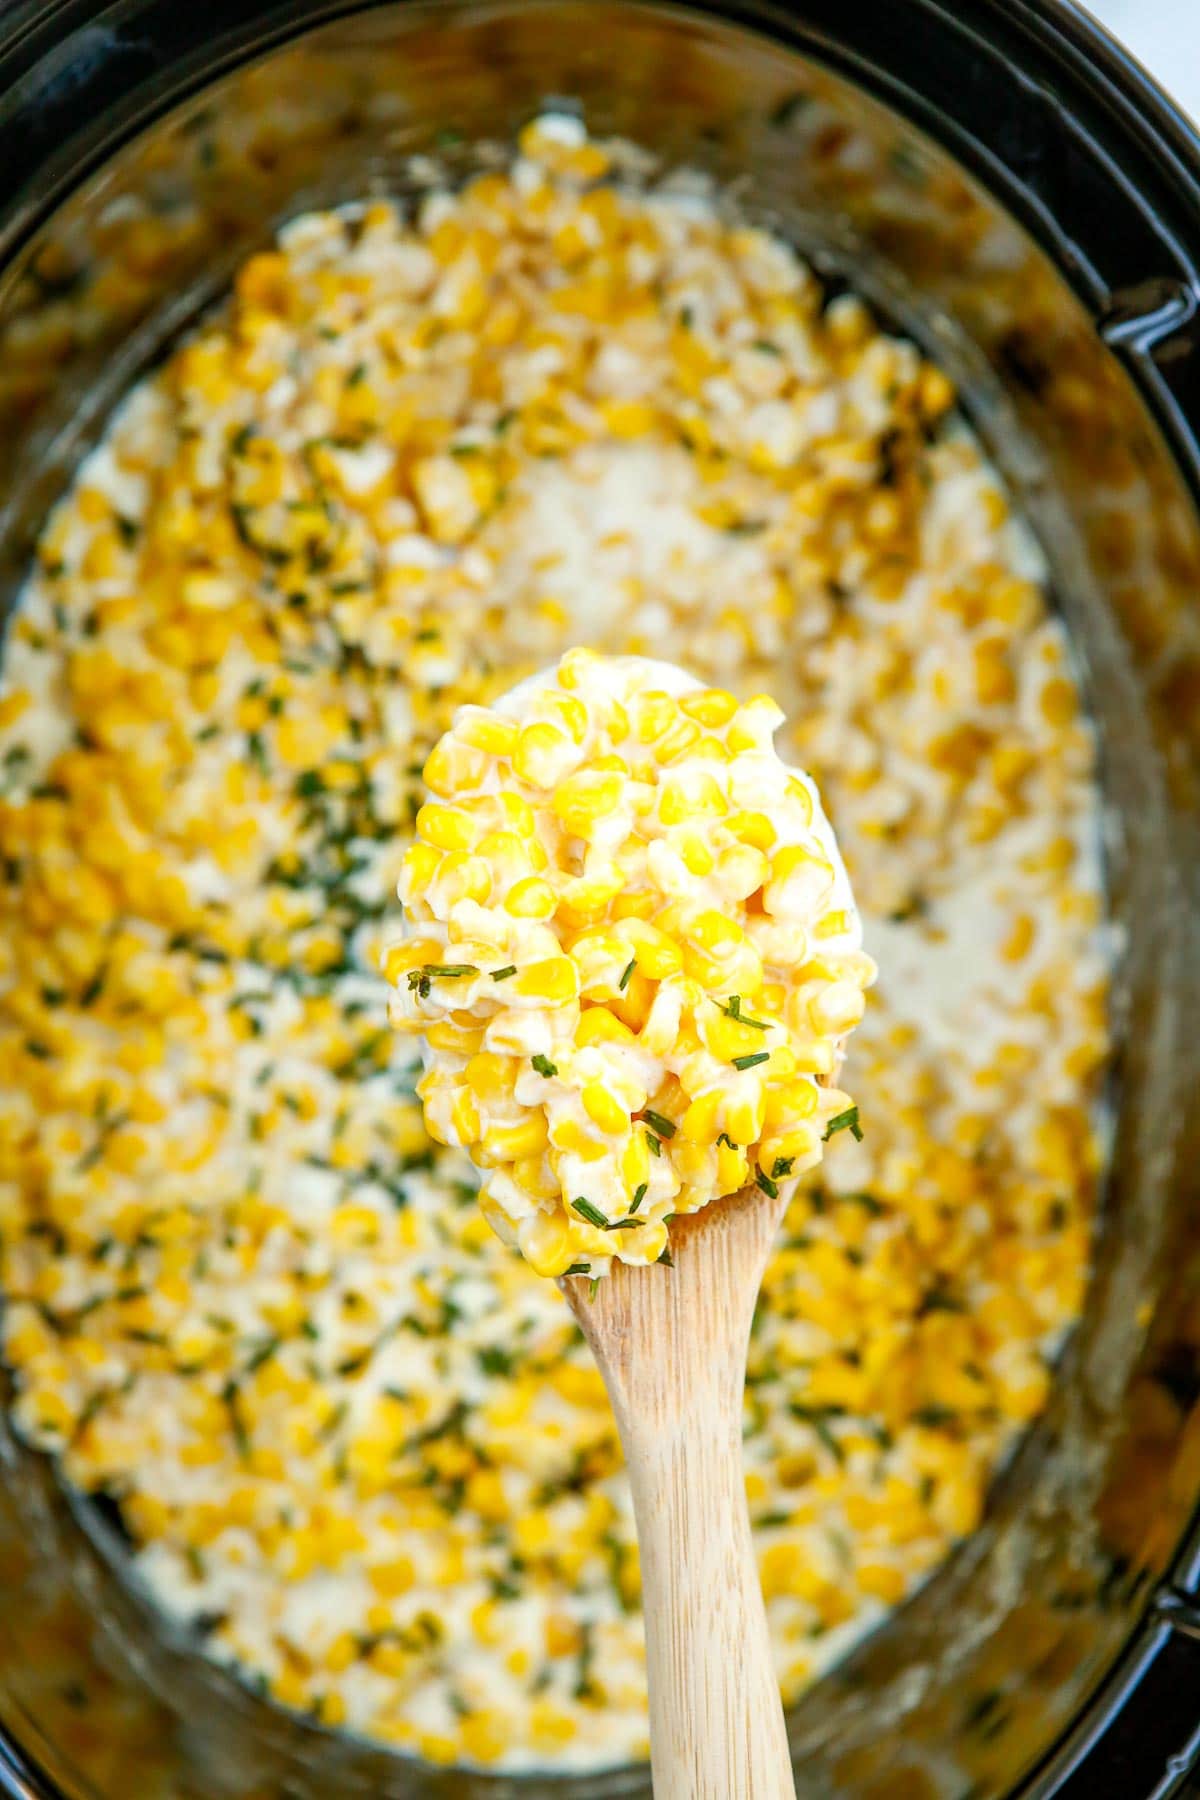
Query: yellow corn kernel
{"points": [[555, 979], [744, 1118], [683, 801], [584, 799], [462, 877], [733, 1168], [532, 898], [603, 1110], [675, 743], [460, 1040], [628, 418], [486, 731], [699, 1122], [789, 1102], [518, 814], [569, 1136], [464, 1116], [698, 859], [881, 1581], [727, 1038], [509, 1143], [599, 1026], [715, 932], [635, 1162], [545, 1242], [446, 827], [390, 1579], [741, 870], [654, 714], [420, 865], [543, 755], [753, 828], [658, 955], [837, 1009], [490, 1077], [712, 707]]}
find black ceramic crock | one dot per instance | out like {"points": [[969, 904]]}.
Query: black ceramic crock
{"points": [[1012, 189]]}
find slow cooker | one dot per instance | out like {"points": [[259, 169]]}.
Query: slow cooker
{"points": [[1005, 183]]}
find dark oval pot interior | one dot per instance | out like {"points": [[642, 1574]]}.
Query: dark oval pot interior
{"points": [[1004, 185]]}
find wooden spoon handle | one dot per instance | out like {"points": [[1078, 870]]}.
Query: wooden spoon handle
{"points": [[716, 1722], [671, 1345]]}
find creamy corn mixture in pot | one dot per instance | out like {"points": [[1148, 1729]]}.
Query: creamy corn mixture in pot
{"points": [[416, 456]]}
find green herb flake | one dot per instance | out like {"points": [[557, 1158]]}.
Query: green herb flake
{"points": [[241, 1437], [639, 1194], [419, 979], [591, 1213], [627, 973], [844, 1121], [733, 1010], [544, 1066], [750, 1062], [503, 974], [763, 1180], [654, 1143], [666, 1128]]}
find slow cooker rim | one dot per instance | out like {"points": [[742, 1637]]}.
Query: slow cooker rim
{"points": [[1070, 40]]}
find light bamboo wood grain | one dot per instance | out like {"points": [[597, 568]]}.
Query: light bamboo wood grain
{"points": [[671, 1344]]}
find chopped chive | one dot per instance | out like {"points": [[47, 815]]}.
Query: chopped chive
{"points": [[503, 974], [579, 1268], [627, 973], [664, 1127], [544, 1066], [844, 1121], [724, 1138], [593, 1287], [622, 1224], [639, 1194], [419, 979], [763, 1180], [667, 1258], [262, 1353], [357, 374], [241, 1437], [782, 1166], [748, 1062], [592, 1214], [733, 1008], [654, 1143]]}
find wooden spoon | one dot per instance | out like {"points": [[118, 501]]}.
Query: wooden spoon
{"points": [[671, 1345]]}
